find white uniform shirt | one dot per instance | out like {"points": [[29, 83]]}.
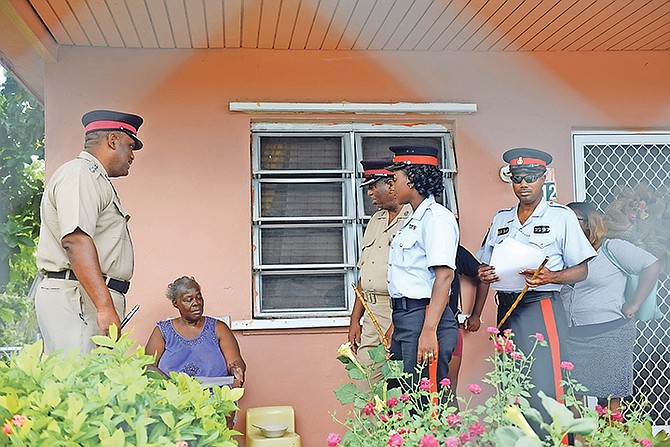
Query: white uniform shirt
{"points": [[428, 239], [552, 228]]}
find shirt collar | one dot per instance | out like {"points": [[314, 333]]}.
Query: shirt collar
{"points": [[423, 206], [100, 170], [539, 211]]}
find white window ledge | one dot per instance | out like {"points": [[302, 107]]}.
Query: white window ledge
{"points": [[396, 108], [296, 323]]}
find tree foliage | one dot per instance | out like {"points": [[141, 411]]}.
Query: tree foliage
{"points": [[21, 185]]}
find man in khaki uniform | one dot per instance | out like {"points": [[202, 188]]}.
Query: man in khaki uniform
{"points": [[373, 262], [85, 252]]}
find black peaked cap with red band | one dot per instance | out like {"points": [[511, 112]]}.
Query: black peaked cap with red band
{"points": [[527, 158], [109, 120], [375, 169], [412, 155]]}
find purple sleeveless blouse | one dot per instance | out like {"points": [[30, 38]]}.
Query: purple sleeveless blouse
{"points": [[199, 356]]}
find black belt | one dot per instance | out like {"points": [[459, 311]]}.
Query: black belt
{"points": [[508, 298], [114, 284], [409, 303]]}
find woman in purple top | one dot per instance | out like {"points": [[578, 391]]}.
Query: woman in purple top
{"points": [[193, 343]]}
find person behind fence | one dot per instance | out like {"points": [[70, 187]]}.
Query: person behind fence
{"points": [[373, 263], [84, 250], [602, 329], [192, 343], [422, 260], [534, 229]]}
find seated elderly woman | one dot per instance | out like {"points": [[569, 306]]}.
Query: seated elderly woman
{"points": [[192, 343]]}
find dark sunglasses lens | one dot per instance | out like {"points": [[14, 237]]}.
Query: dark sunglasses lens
{"points": [[529, 178]]}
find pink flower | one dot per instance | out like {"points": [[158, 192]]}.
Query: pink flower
{"points": [[617, 416], [429, 441], [451, 441], [645, 442], [507, 331], [476, 429], [474, 388], [404, 398], [425, 384], [464, 437], [453, 419], [182, 444], [7, 429], [492, 330], [539, 336], [600, 410], [567, 366], [395, 440], [516, 355], [333, 440], [368, 408], [18, 420], [445, 382], [509, 346], [391, 402]]}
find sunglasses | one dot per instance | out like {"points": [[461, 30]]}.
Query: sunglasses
{"points": [[529, 178]]}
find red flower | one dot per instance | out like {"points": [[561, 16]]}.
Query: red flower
{"points": [[333, 440], [18, 420], [395, 440], [476, 429], [368, 409], [404, 397], [567, 366], [391, 402], [425, 384], [617, 416], [465, 437], [600, 410], [429, 441], [453, 419]]}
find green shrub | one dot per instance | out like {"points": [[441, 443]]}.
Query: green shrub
{"points": [[108, 398]]}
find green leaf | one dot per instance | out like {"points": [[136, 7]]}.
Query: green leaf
{"points": [[558, 412], [346, 393], [168, 419], [378, 353], [582, 426]]}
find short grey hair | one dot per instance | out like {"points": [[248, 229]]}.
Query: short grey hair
{"points": [[172, 291]]}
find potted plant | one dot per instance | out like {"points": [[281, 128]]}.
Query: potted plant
{"points": [[413, 415], [108, 397]]}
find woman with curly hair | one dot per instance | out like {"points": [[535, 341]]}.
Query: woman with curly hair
{"points": [[602, 329], [422, 261]]}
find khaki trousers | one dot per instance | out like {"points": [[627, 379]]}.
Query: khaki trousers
{"points": [[66, 315], [370, 337]]}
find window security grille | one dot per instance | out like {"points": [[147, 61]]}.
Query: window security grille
{"points": [[309, 211], [612, 166]]}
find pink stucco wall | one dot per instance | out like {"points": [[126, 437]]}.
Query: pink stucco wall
{"points": [[189, 188]]}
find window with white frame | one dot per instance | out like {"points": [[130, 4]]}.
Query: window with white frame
{"points": [[309, 211]]}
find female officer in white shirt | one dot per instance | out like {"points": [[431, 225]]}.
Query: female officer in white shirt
{"points": [[422, 261]]}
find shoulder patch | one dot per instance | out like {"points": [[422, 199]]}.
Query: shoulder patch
{"points": [[506, 210]]}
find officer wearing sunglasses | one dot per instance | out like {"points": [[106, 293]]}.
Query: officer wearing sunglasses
{"points": [[552, 230]]}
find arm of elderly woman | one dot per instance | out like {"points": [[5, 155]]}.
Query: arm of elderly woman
{"points": [[231, 352], [156, 344]]}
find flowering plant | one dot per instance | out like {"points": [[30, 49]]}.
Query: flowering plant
{"points": [[108, 397], [412, 415]]}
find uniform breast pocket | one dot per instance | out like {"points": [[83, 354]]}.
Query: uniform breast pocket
{"points": [[544, 242], [409, 248]]}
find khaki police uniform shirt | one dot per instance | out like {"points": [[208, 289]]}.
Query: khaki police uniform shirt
{"points": [[373, 262], [80, 195]]}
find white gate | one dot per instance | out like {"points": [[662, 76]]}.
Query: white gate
{"points": [[628, 174]]}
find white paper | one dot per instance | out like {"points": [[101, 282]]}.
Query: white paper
{"points": [[509, 257], [215, 381]]}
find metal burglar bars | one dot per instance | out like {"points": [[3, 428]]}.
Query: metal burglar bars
{"points": [[309, 211], [607, 168]]}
